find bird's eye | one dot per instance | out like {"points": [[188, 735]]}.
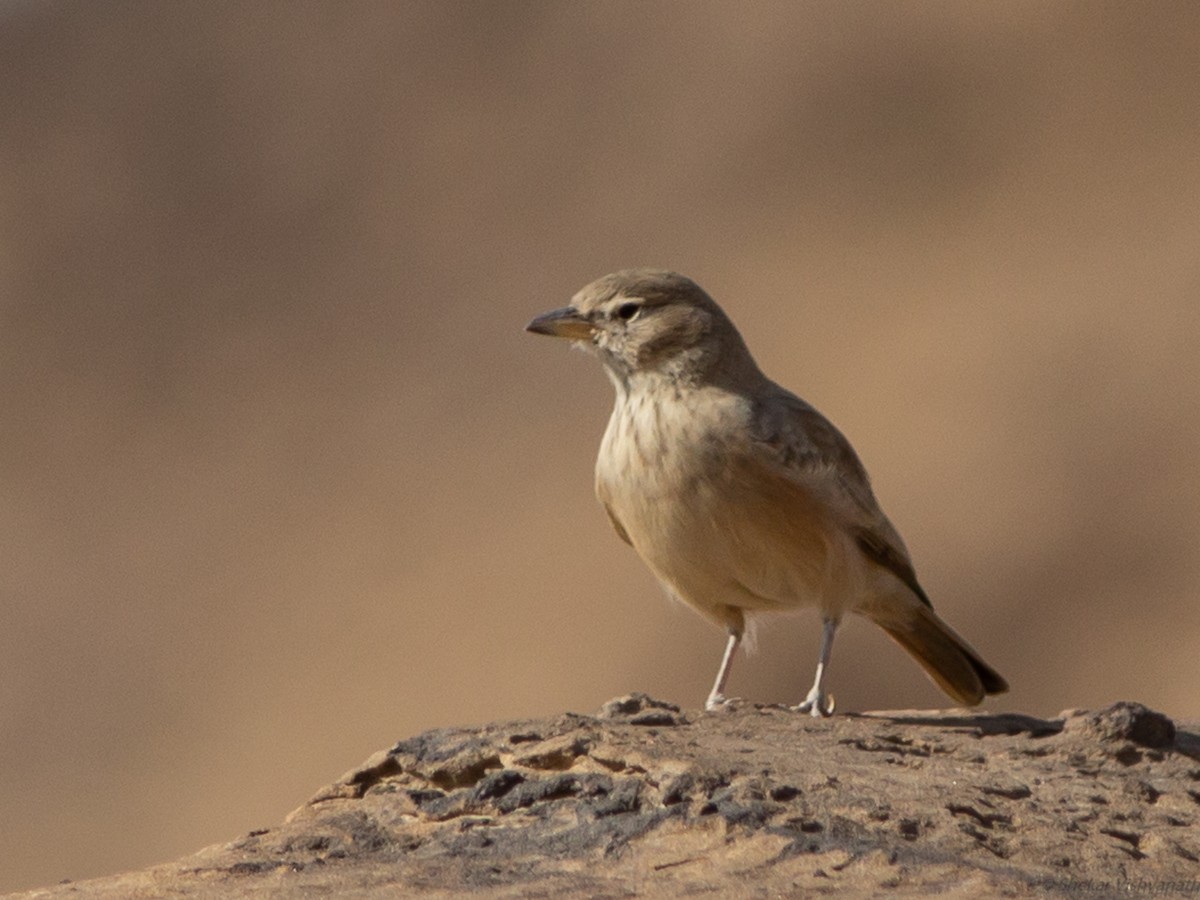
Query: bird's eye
{"points": [[627, 311]]}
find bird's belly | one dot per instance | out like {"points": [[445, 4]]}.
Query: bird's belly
{"points": [[718, 539]]}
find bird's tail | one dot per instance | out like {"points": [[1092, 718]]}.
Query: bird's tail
{"points": [[950, 661]]}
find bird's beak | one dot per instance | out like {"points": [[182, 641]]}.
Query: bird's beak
{"points": [[565, 323]]}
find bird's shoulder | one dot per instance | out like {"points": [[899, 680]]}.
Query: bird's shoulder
{"points": [[793, 435]]}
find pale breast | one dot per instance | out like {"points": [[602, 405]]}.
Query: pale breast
{"points": [[682, 480]]}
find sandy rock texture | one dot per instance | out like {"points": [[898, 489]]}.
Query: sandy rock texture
{"points": [[646, 799]]}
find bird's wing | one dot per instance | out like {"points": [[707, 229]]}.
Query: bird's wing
{"points": [[802, 445], [879, 549], [616, 523]]}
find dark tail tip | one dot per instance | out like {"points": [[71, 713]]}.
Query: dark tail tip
{"points": [[949, 660]]}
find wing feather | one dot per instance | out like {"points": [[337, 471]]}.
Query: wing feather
{"points": [[806, 445]]}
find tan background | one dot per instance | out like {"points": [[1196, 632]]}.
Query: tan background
{"points": [[282, 480]]}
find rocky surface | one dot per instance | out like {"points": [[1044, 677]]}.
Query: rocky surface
{"points": [[751, 801]]}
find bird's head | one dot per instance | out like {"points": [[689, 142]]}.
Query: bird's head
{"points": [[647, 323]]}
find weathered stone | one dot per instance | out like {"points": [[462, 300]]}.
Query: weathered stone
{"points": [[753, 801]]}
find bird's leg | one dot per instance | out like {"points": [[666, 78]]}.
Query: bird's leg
{"points": [[818, 703], [716, 697]]}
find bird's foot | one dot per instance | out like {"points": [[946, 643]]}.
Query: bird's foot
{"points": [[717, 702], [817, 704]]}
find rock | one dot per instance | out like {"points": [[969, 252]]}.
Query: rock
{"points": [[1125, 721], [752, 801]]}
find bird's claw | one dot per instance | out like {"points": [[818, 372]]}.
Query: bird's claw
{"points": [[718, 702], [817, 704]]}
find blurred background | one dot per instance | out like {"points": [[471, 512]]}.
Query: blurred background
{"points": [[282, 480]]}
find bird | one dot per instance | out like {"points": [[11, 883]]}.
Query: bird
{"points": [[740, 497]]}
